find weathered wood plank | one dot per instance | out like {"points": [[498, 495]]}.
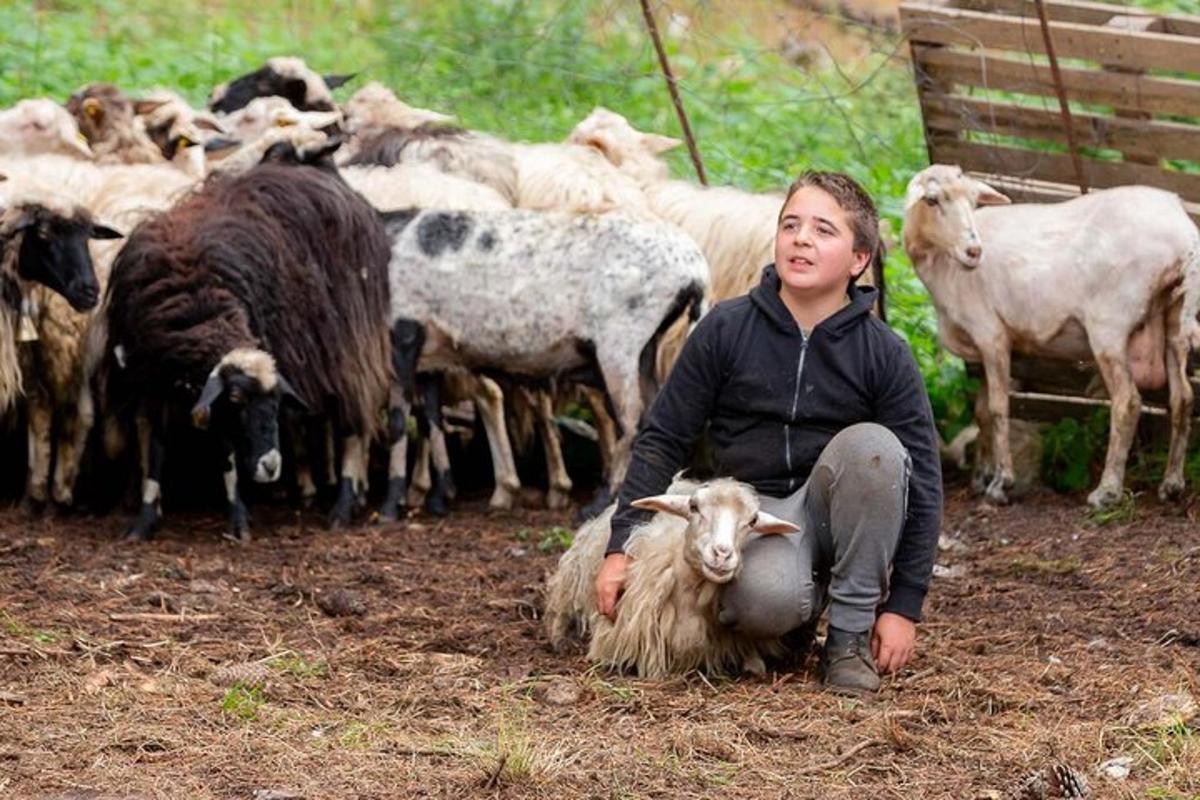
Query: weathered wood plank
{"points": [[991, 71], [1058, 168], [1034, 191], [1086, 13], [1166, 139], [949, 26]]}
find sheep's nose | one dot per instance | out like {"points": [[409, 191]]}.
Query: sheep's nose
{"points": [[974, 252], [267, 469], [722, 551]]}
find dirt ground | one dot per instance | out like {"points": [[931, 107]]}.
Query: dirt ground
{"points": [[408, 661]]}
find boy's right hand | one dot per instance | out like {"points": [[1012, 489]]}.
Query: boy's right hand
{"points": [[610, 583]]}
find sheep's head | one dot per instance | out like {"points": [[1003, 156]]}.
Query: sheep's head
{"points": [[48, 239], [174, 125], [263, 114], [283, 76], [243, 394], [627, 148], [376, 106], [720, 515], [939, 211], [41, 125]]}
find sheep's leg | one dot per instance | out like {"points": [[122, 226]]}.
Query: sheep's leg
{"points": [[984, 469], [606, 429], [558, 494], [1126, 406], [239, 519], [303, 455], [443, 488], [421, 481], [626, 397], [995, 367], [398, 410], [71, 440], [1181, 399], [490, 401], [152, 452], [41, 420], [353, 482]]}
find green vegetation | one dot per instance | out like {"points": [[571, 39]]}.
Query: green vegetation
{"points": [[243, 702], [14, 627]]}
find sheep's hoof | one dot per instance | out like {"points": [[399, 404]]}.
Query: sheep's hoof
{"points": [[343, 509], [557, 499], [31, 506], [980, 481], [394, 502], [1104, 497], [754, 665], [1170, 490], [997, 490], [435, 504], [416, 496], [142, 529], [502, 499], [239, 524]]}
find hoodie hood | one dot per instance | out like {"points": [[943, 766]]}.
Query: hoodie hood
{"points": [[766, 298]]}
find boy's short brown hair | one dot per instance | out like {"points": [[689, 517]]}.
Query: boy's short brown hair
{"points": [[854, 200]]}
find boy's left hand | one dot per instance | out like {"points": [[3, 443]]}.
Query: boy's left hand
{"points": [[892, 641]]}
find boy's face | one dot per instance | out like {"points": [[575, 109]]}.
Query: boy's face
{"points": [[814, 244]]}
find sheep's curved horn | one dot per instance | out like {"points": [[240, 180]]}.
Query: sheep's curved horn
{"points": [[202, 411], [676, 504], [334, 81], [769, 523]]}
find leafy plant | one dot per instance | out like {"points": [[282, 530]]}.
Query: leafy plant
{"points": [[243, 701], [1070, 448]]}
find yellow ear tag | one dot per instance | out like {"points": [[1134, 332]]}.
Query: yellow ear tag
{"points": [[81, 138], [283, 122], [184, 142], [91, 107]]}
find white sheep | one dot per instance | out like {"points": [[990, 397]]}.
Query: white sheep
{"points": [[1111, 277], [375, 107], [39, 126], [667, 617]]}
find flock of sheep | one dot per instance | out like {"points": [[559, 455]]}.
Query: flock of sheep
{"points": [[299, 276]]}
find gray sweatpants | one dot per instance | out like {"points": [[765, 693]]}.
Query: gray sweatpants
{"points": [[851, 510]]}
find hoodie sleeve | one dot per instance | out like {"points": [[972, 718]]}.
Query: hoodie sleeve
{"points": [[903, 408], [668, 434]]}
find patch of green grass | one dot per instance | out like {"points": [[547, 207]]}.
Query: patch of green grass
{"points": [[522, 534], [555, 540], [1123, 511], [361, 735], [290, 663], [14, 627], [243, 702]]}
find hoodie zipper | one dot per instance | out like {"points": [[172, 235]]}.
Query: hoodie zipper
{"points": [[787, 426]]}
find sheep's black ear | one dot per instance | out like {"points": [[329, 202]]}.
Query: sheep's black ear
{"points": [[202, 411], [334, 81], [105, 232], [288, 395], [281, 151], [219, 143]]}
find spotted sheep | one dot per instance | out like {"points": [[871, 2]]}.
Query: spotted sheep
{"points": [[1111, 277], [534, 295], [668, 618], [286, 77], [256, 290]]}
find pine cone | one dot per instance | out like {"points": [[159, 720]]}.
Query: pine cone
{"points": [[253, 674], [1059, 781]]}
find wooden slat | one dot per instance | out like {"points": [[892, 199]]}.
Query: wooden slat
{"points": [[994, 72], [1034, 191], [1058, 168], [938, 25], [1086, 13], [1165, 139]]}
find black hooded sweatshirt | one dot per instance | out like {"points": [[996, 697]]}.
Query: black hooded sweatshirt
{"points": [[773, 399]]}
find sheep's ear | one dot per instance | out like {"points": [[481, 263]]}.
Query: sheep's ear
{"points": [[143, 107], [334, 81], [987, 196], [676, 504], [92, 108], [769, 523], [202, 411], [657, 143], [288, 394], [220, 143], [105, 232]]}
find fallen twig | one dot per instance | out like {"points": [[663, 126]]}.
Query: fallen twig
{"points": [[155, 617], [837, 762]]}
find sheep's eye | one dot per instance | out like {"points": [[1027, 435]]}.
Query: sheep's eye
{"points": [[932, 202], [754, 521], [694, 506]]}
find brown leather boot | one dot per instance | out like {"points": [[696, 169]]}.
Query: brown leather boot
{"points": [[846, 662]]}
